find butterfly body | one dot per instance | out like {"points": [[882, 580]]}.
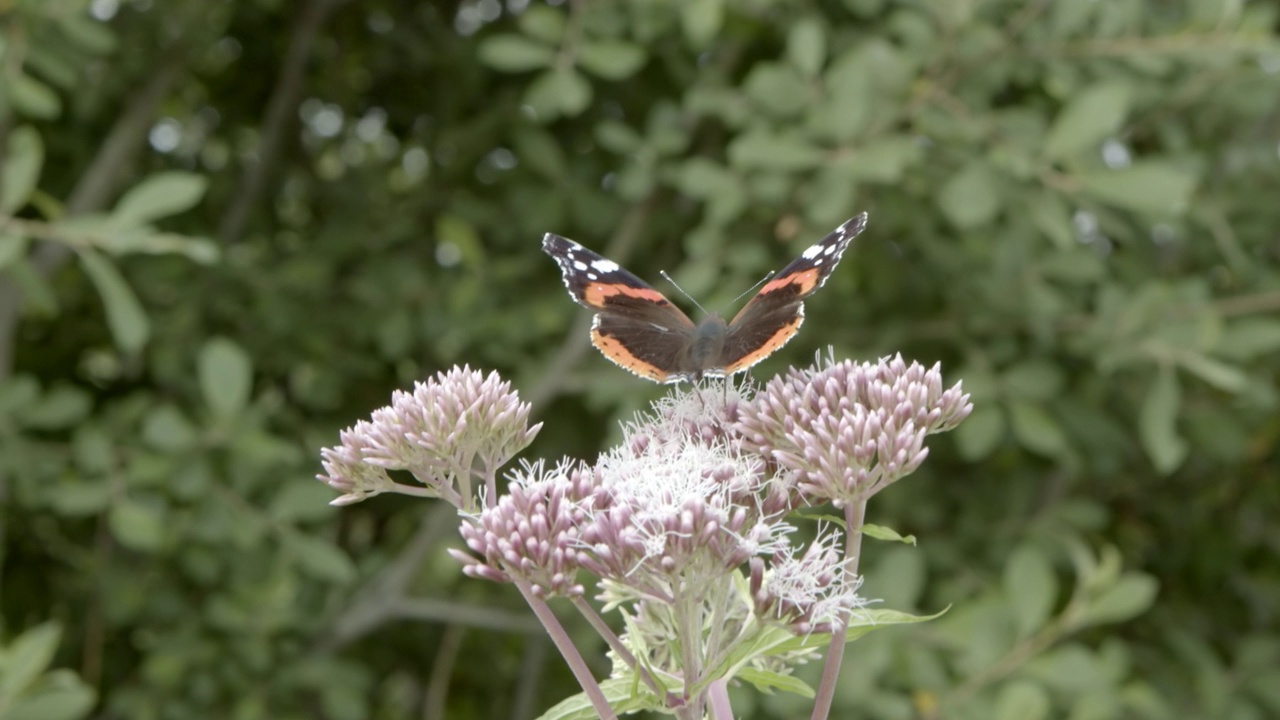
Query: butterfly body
{"points": [[638, 328]]}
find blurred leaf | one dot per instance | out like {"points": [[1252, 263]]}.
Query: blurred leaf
{"points": [[87, 32], [886, 160], [538, 148], [301, 501], [1031, 587], [777, 89], [1035, 429], [63, 697], [611, 59], [1022, 700], [1247, 338], [764, 149], [544, 23], [159, 196], [20, 171], [165, 428], [849, 82], [971, 197], [198, 249], [807, 45], [320, 558], [226, 377], [701, 20], [1219, 374], [26, 658], [137, 526], [61, 407], [981, 432], [33, 98], [1152, 186], [1035, 379], [1157, 423], [881, 532], [514, 53], [556, 92], [1053, 218], [12, 247], [1132, 595], [125, 316], [1092, 116]]}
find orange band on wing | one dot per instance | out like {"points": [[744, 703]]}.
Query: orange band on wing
{"points": [[622, 357], [775, 341], [597, 294], [807, 280]]}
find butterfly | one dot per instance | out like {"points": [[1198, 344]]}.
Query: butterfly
{"points": [[638, 328]]}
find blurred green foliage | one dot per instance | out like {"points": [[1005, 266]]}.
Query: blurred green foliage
{"points": [[229, 229]]}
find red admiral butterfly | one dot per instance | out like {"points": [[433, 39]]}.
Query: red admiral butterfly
{"points": [[638, 328]]}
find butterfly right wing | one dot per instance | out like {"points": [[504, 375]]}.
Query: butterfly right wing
{"points": [[635, 326]]}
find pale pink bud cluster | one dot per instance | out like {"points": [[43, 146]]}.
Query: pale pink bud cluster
{"points": [[531, 532], [847, 430], [444, 430]]}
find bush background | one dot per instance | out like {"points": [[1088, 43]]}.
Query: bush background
{"points": [[229, 229]]}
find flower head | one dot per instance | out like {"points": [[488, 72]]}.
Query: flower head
{"points": [[457, 424], [810, 593], [847, 430], [531, 532]]}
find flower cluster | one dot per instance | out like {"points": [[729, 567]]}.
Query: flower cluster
{"points": [[458, 425], [848, 430]]}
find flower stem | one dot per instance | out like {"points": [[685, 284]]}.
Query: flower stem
{"points": [[854, 514], [567, 651], [603, 629]]}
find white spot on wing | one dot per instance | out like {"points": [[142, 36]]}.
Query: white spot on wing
{"points": [[579, 265], [605, 266], [811, 252]]}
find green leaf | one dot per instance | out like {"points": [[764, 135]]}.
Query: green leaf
{"points": [[541, 151], [979, 434], [1035, 429], [320, 558], [226, 377], [1250, 338], [807, 45], [1053, 218], [557, 92], [971, 197], [777, 89], [12, 248], [128, 321], [1034, 379], [1155, 187], [773, 151], [26, 659], [33, 98], [514, 53], [1022, 700], [62, 407], [1157, 422], [1092, 116], [623, 694], [701, 21], [1031, 587], [881, 532], [65, 697], [1131, 595], [161, 195], [137, 526], [612, 59], [543, 22], [20, 171], [165, 428], [1221, 375], [767, 682], [302, 500], [886, 160]]}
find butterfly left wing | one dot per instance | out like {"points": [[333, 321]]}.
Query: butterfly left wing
{"points": [[774, 315], [635, 326]]}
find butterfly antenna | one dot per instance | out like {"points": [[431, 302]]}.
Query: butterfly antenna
{"points": [[752, 289], [667, 277]]}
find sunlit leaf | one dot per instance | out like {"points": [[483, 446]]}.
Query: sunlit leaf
{"points": [[125, 316]]}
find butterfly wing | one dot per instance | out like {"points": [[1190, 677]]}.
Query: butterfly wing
{"points": [[774, 315], [635, 326]]}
